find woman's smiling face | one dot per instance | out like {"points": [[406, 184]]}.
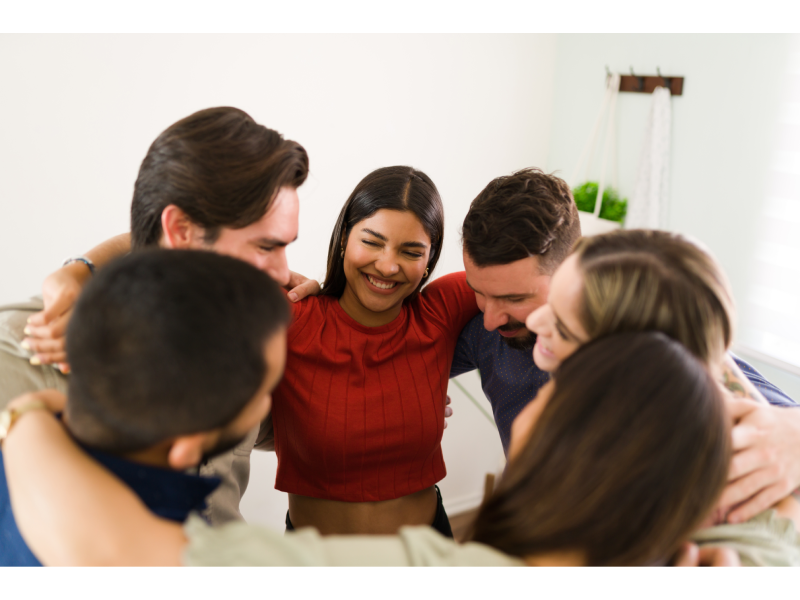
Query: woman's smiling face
{"points": [[557, 323], [385, 260]]}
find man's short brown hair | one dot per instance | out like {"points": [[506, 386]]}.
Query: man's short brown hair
{"points": [[219, 167], [528, 213]]}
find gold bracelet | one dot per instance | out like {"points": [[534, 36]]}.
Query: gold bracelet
{"points": [[10, 416]]}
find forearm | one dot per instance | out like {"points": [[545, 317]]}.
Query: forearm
{"points": [[107, 251], [71, 511]]}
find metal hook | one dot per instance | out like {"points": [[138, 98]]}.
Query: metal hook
{"points": [[639, 80], [667, 80]]}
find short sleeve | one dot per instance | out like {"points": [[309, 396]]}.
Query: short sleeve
{"points": [[450, 302]]}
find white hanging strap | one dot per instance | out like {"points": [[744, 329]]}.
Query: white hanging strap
{"points": [[601, 187], [586, 152]]}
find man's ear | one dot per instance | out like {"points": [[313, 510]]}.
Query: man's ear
{"points": [[179, 231], [187, 451]]}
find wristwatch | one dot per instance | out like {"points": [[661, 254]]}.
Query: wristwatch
{"points": [[81, 259], [11, 415]]}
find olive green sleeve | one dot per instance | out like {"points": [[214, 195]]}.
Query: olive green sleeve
{"points": [[251, 545], [17, 375]]}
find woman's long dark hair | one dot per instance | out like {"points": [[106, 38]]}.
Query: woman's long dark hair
{"points": [[394, 188], [629, 455]]}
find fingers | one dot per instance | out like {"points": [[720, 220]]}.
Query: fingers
{"points": [[49, 359], [744, 435], [43, 346], [759, 503], [747, 461], [310, 287], [738, 408], [710, 556], [56, 328], [447, 401], [748, 486], [688, 555], [40, 318], [295, 279]]}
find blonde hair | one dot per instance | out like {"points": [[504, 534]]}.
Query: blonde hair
{"points": [[647, 280]]}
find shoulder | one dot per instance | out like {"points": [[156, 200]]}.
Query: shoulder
{"points": [[765, 540], [450, 283], [13, 318], [449, 301], [310, 308], [17, 375]]}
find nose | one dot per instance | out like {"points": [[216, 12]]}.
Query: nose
{"points": [[536, 321], [493, 316], [277, 267], [386, 264]]}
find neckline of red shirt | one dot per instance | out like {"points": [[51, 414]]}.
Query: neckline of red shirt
{"points": [[398, 321]]}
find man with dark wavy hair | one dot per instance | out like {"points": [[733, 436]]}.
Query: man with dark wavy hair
{"points": [[517, 232]]}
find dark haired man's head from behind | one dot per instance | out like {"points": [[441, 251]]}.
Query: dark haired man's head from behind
{"points": [[219, 181], [174, 355], [516, 233]]}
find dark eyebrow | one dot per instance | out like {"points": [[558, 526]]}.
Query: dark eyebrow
{"points": [[382, 237], [505, 297], [273, 242]]}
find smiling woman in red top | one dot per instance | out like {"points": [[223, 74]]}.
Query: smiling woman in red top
{"points": [[359, 413]]}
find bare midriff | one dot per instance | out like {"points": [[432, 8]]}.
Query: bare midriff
{"points": [[332, 517]]}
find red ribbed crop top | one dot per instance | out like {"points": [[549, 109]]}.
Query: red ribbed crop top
{"points": [[359, 412]]}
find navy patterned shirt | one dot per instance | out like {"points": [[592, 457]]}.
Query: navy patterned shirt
{"points": [[510, 379]]}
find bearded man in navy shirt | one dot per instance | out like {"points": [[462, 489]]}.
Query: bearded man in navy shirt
{"points": [[518, 230], [174, 354]]}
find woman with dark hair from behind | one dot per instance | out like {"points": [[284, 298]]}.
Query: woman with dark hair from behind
{"points": [[359, 414], [576, 492]]}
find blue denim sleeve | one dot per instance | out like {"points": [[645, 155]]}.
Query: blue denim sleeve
{"points": [[465, 358], [771, 392]]}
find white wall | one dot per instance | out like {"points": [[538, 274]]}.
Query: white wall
{"points": [[77, 114], [723, 130]]}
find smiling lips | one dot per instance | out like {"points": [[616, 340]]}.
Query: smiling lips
{"points": [[380, 285], [543, 350]]}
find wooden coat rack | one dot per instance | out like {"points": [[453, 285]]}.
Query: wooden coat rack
{"points": [[645, 84]]}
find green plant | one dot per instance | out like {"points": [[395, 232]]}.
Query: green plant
{"points": [[613, 208]]}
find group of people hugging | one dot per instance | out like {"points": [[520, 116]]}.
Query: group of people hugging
{"points": [[136, 388]]}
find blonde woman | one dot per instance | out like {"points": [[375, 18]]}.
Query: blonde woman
{"points": [[641, 280]]}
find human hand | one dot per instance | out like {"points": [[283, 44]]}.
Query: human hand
{"points": [[46, 330], [709, 556], [54, 400], [300, 287], [765, 467], [448, 410]]}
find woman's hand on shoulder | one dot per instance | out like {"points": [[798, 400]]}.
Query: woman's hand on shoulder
{"points": [[46, 330], [765, 467]]}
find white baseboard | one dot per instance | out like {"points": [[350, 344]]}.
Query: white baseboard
{"points": [[454, 506]]}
